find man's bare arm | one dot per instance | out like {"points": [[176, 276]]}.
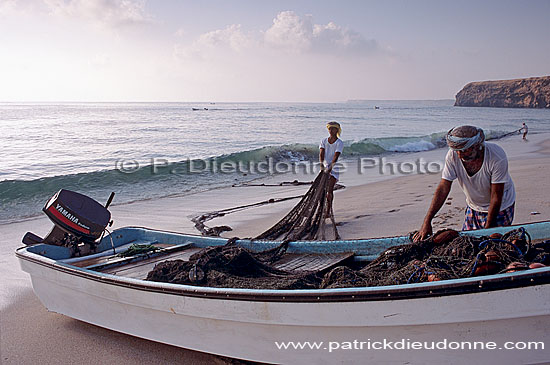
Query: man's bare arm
{"points": [[497, 192], [440, 195]]}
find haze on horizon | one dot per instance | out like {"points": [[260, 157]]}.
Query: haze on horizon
{"points": [[296, 51]]}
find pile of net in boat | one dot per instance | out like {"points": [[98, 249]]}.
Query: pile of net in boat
{"points": [[307, 219], [446, 255], [231, 266]]}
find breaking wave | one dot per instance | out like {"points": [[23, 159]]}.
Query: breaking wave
{"points": [[22, 199]]}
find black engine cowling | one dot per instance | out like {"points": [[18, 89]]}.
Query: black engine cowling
{"points": [[77, 214], [78, 219]]}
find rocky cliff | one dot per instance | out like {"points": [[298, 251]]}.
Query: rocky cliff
{"points": [[533, 92]]}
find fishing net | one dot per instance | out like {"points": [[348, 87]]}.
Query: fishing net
{"points": [[200, 219], [436, 258], [306, 213], [343, 277], [231, 266], [306, 221], [444, 256]]}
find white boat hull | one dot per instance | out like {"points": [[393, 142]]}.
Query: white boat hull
{"points": [[251, 329]]}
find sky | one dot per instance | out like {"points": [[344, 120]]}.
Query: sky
{"points": [[271, 51]]}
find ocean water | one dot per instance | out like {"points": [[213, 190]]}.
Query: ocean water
{"points": [[149, 150]]}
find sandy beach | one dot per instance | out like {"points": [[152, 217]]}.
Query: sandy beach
{"points": [[370, 206], [397, 206]]}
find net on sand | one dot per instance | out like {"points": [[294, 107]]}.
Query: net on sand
{"points": [[307, 219]]}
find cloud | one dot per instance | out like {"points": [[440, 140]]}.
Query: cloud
{"points": [[111, 13], [331, 37], [209, 45], [231, 37], [8, 7], [291, 59], [293, 33], [289, 34], [18, 8]]}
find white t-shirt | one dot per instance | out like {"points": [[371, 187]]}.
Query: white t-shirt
{"points": [[477, 188], [330, 151]]}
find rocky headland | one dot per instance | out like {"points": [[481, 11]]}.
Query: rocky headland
{"points": [[533, 92]]}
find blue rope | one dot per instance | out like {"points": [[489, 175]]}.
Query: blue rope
{"points": [[414, 273], [522, 230], [475, 263], [484, 243]]}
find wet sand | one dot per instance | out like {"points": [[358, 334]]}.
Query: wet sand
{"points": [[366, 208]]}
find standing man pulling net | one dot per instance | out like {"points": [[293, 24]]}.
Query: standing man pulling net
{"points": [[329, 151], [481, 170], [306, 220], [525, 130]]}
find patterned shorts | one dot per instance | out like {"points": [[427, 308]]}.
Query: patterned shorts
{"points": [[477, 220]]}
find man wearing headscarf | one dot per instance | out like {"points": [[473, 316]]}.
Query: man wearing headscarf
{"points": [[481, 170]]}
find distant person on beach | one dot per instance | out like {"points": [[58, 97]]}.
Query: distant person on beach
{"points": [[481, 170], [524, 129], [329, 151]]}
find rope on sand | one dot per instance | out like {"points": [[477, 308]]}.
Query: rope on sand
{"points": [[510, 133], [200, 219]]}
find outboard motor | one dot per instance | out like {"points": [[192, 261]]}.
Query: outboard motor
{"points": [[79, 221]]}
